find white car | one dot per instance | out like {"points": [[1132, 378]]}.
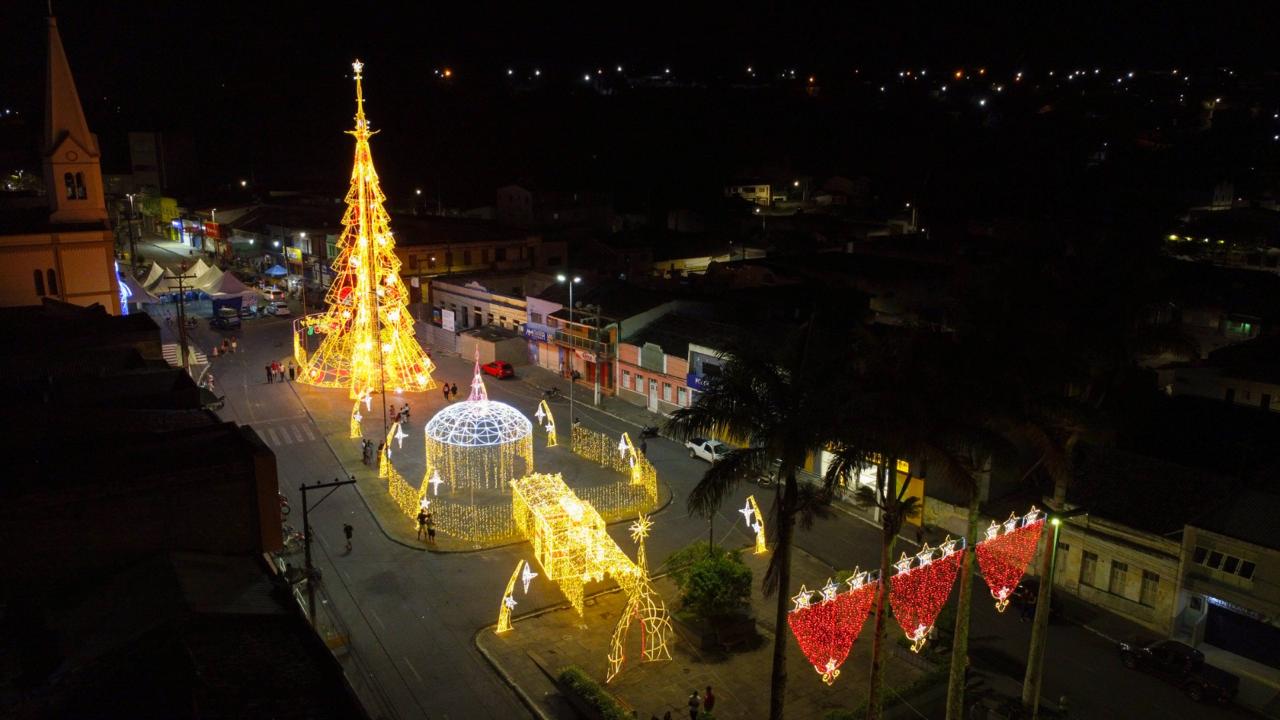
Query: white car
{"points": [[709, 450], [279, 309]]}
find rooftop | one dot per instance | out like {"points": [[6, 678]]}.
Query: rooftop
{"points": [[674, 332], [1248, 515]]}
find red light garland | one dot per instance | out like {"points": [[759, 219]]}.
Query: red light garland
{"points": [[827, 630], [1003, 558], [918, 594]]}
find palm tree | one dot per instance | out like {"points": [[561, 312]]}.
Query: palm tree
{"points": [[780, 398]]}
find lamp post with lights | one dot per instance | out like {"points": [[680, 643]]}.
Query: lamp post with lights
{"points": [[1040, 626], [572, 350]]}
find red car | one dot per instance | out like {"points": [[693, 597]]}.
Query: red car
{"points": [[499, 369]]}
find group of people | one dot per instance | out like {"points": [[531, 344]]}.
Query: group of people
{"points": [[276, 372], [367, 450], [230, 344], [399, 416], [450, 391], [426, 526], [697, 704]]}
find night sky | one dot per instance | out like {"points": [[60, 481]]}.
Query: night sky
{"points": [[263, 88]]}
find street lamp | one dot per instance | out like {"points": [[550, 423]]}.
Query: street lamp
{"points": [[1040, 626], [133, 248], [565, 279]]}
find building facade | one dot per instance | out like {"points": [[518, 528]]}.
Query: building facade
{"points": [[65, 251]]}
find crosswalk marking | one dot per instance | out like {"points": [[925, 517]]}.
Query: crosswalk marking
{"points": [[170, 353], [291, 434]]}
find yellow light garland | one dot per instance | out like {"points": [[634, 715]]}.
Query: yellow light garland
{"points": [[570, 542], [368, 342], [761, 547], [508, 600]]}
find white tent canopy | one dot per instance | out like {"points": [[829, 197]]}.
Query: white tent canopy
{"points": [[209, 278], [229, 285], [200, 268], [153, 275], [137, 293]]}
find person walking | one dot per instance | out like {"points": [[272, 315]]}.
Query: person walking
{"points": [[347, 530], [708, 700], [293, 370], [235, 344], [431, 529], [445, 389], [405, 411], [454, 391], [694, 703], [422, 523], [270, 375]]}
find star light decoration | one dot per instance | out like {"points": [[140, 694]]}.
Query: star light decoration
{"points": [[400, 436], [508, 602], [1003, 557], [755, 520], [527, 577], [435, 483], [548, 421], [368, 341], [918, 594]]}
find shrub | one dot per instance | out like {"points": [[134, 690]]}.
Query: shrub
{"points": [[712, 584], [575, 680]]}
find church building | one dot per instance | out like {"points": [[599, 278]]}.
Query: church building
{"points": [[65, 251]]}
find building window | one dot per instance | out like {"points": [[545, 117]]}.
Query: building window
{"points": [[1088, 568], [626, 379], [681, 397], [1246, 570], [81, 193], [431, 262], [1215, 560], [1115, 584], [1230, 565], [39, 280], [1150, 581], [1266, 401], [639, 383], [666, 392], [52, 276], [484, 256], [466, 257], [535, 318], [1200, 554], [70, 181], [500, 254]]}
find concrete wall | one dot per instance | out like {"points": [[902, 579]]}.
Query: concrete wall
{"points": [[1209, 382], [1140, 551]]}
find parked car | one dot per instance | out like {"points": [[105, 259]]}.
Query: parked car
{"points": [[226, 319], [248, 311], [279, 309], [499, 369], [1181, 665], [709, 450]]}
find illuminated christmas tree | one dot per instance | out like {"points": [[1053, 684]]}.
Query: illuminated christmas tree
{"points": [[368, 332]]}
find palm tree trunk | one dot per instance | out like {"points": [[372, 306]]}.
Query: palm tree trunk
{"points": [[960, 642], [889, 534], [786, 527]]}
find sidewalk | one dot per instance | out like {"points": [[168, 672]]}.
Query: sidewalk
{"points": [[544, 642]]}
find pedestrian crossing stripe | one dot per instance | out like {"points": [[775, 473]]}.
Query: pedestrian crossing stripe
{"points": [[288, 435], [170, 353]]}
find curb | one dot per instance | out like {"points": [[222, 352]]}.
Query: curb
{"points": [[506, 678]]}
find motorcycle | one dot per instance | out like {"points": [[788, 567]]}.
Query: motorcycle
{"points": [[649, 431], [551, 394]]}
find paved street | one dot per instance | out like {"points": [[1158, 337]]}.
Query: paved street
{"points": [[412, 615]]}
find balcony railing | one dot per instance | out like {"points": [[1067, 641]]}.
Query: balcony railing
{"points": [[580, 342]]}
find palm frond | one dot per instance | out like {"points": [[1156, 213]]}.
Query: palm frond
{"points": [[723, 476]]}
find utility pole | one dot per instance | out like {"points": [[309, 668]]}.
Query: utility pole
{"points": [[133, 248], [182, 321], [306, 537]]}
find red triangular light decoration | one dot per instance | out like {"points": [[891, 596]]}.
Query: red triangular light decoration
{"points": [[918, 594], [827, 629], [1003, 559]]}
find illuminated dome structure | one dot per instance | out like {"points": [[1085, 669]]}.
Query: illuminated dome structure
{"points": [[478, 444]]}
